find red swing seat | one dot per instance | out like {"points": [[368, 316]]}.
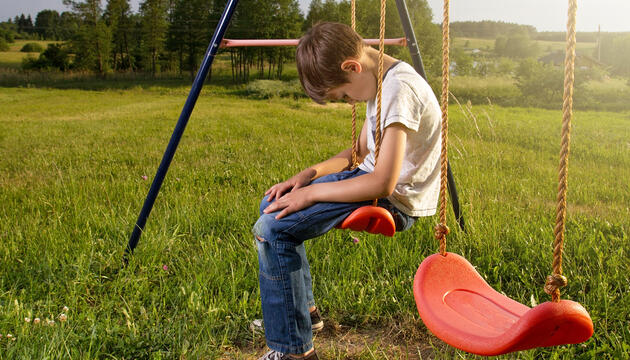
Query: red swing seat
{"points": [[372, 219], [459, 307]]}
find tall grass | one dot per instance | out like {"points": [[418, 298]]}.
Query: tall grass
{"points": [[72, 170]]}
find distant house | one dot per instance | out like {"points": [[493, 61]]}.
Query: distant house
{"points": [[581, 61]]}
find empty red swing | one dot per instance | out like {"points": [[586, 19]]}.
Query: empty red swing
{"points": [[454, 301]]}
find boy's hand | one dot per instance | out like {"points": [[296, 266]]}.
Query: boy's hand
{"points": [[291, 202], [299, 180]]}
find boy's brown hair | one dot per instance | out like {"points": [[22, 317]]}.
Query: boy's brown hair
{"points": [[319, 55]]}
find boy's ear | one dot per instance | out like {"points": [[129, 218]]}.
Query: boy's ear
{"points": [[351, 65]]}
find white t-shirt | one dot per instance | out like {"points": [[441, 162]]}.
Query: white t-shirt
{"points": [[408, 99]]}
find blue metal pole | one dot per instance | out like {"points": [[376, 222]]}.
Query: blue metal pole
{"points": [[412, 43], [213, 48]]}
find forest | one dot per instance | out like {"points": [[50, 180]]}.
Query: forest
{"points": [[172, 35]]}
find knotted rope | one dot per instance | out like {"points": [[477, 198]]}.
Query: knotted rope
{"points": [[441, 230], [556, 280]]}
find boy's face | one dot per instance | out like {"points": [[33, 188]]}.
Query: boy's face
{"points": [[360, 88]]}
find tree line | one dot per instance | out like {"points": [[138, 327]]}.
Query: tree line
{"points": [[172, 35], [514, 42], [488, 29]]}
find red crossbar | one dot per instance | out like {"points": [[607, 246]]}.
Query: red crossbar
{"points": [[294, 42]]}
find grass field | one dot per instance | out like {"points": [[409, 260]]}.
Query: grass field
{"points": [[72, 181], [12, 59], [544, 47]]}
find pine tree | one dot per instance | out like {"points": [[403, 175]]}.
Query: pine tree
{"points": [[154, 26], [46, 24], [288, 22], [20, 21], [190, 31], [92, 41], [273, 19], [29, 27], [117, 17], [68, 26]]}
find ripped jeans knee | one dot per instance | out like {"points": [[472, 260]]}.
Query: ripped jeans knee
{"points": [[263, 230], [274, 253]]}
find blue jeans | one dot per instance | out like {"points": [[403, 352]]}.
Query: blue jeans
{"points": [[286, 289]]}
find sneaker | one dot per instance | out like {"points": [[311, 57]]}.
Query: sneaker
{"points": [[257, 325], [275, 355], [317, 324]]}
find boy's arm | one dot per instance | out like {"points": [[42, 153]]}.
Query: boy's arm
{"points": [[378, 184], [337, 163], [343, 160]]}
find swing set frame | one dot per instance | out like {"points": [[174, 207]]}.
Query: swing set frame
{"points": [[217, 42], [453, 300]]}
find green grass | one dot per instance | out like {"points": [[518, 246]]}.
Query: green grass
{"points": [[12, 59], [586, 48], [71, 187], [18, 44], [545, 47], [473, 43], [610, 84]]}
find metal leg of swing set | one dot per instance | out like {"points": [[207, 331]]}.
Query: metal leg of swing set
{"points": [[416, 59], [212, 50], [452, 190]]}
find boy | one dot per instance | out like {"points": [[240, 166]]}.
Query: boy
{"points": [[334, 64]]}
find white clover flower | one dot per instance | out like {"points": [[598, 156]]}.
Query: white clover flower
{"points": [[28, 320], [65, 309], [63, 317], [36, 321], [9, 336], [50, 322]]}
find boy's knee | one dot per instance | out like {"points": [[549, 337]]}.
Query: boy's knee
{"points": [[272, 248], [264, 229], [266, 257]]}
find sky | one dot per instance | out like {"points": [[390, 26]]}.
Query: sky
{"points": [[545, 15]]}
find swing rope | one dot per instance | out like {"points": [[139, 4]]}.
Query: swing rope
{"points": [[441, 229], [557, 280], [379, 91], [378, 138], [355, 141]]}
